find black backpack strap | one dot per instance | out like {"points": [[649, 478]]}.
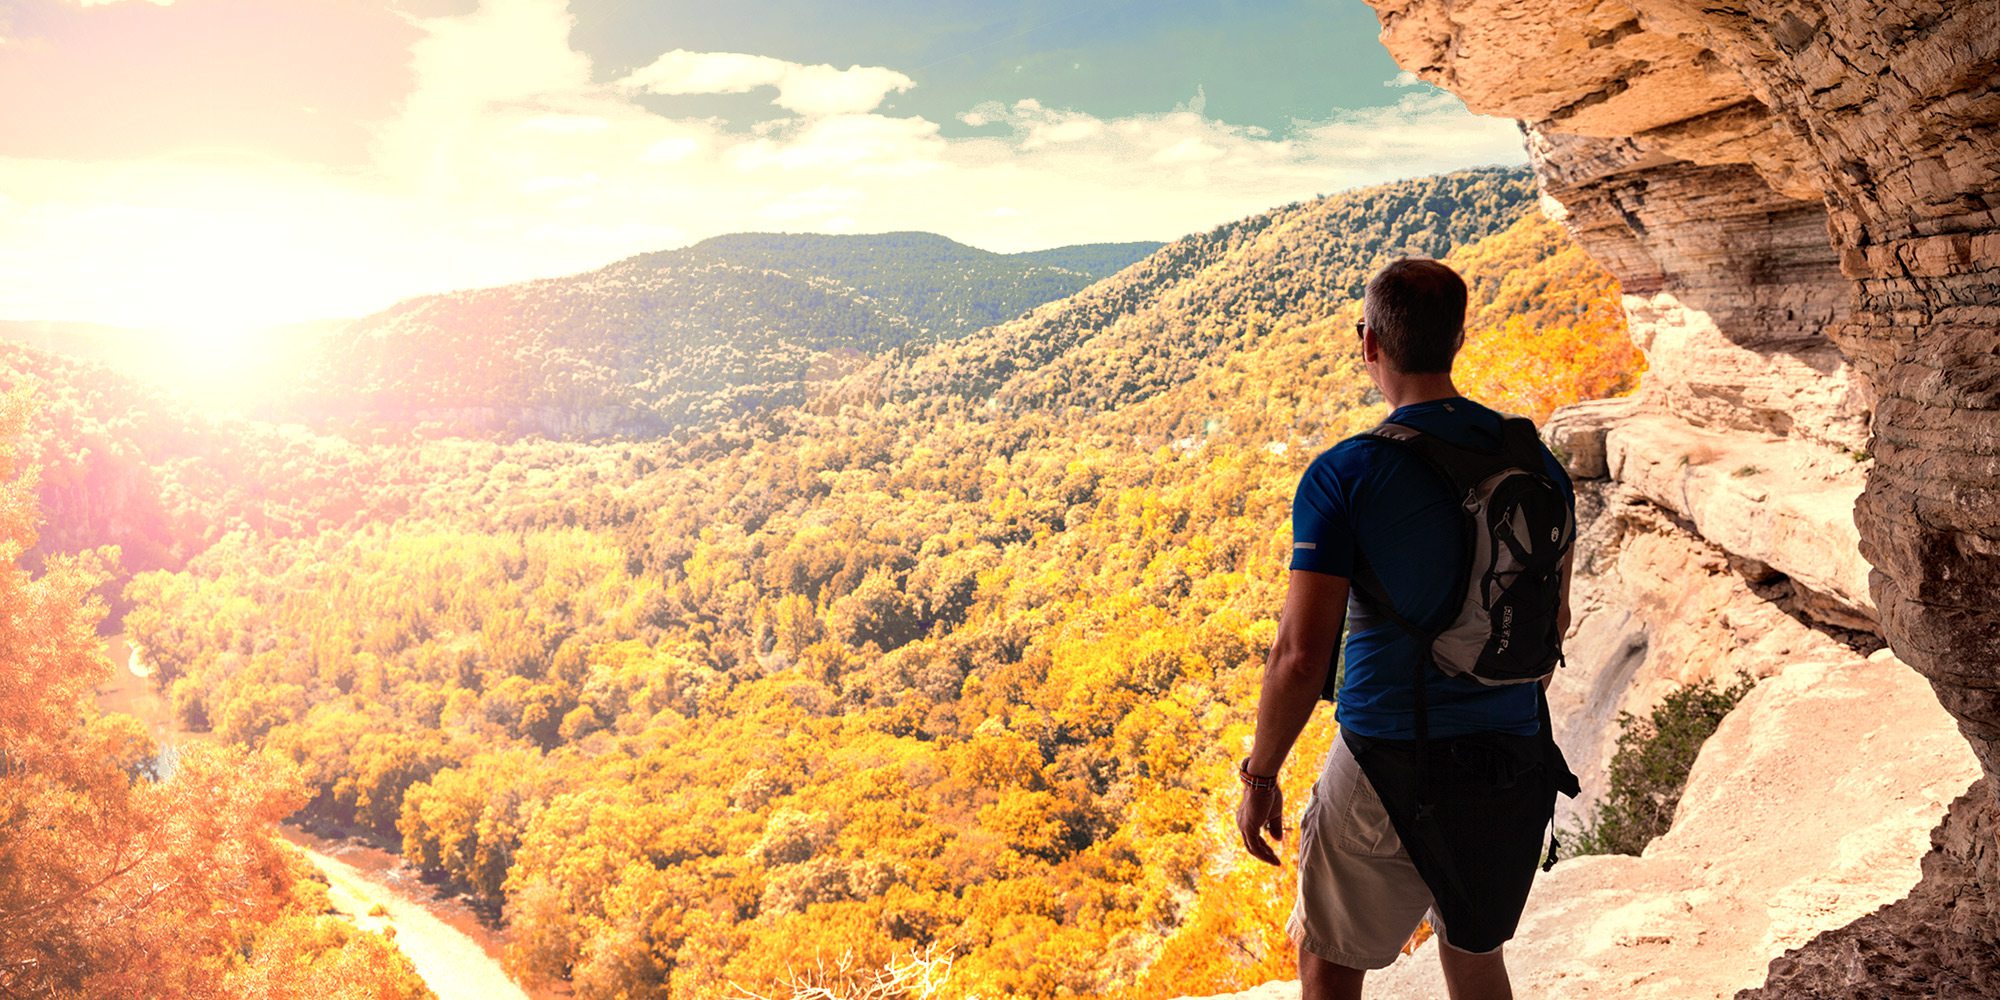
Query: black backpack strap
{"points": [[1562, 780], [1371, 588], [1434, 453], [1462, 468], [1377, 596], [1521, 441], [1437, 455]]}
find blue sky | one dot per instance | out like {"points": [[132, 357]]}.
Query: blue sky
{"points": [[234, 163], [1262, 63]]}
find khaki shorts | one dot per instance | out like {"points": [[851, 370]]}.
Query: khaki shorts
{"points": [[1360, 898]]}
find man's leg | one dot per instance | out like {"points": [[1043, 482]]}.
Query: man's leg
{"points": [[1359, 894], [1470, 976], [1320, 979]]}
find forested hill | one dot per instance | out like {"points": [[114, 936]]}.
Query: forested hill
{"points": [[1199, 299], [923, 671], [664, 340]]}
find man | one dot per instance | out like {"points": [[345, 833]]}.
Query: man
{"points": [[1369, 506]]}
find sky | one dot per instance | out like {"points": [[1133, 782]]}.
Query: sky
{"points": [[217, 166]]}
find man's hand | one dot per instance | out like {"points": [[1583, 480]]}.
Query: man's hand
{"points": [[1294, 674], [1261, 810]]}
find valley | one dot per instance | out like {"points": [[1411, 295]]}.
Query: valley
{"points": [[535, 498], [953, 653]]}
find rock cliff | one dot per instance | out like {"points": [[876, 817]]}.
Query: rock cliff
{"points": [[1802, 203], [1800, 200]]}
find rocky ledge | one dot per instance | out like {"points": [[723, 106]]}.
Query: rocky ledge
{"points": [[1809, 808]]}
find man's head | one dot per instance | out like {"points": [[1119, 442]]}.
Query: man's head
{"points": [[1416, 310]]}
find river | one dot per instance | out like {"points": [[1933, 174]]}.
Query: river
{"points": [[457, 956]]}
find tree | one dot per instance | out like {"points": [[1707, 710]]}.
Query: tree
{"points": [[123, 873]]}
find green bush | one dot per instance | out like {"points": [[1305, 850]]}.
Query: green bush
{"points": [[1651, 765]]}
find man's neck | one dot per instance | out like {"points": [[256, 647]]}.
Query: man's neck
{"points": [[1402, 390]]}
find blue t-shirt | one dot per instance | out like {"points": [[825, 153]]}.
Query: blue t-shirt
{"points": [[1374, 497]]}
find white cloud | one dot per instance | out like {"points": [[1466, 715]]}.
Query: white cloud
{"points": [[507, 161], [848, 144], [806, 90], [107, 3], [1038, 126], [684, 72], [821, 204], [1189, 150], [1403, 79], [671, 149]]}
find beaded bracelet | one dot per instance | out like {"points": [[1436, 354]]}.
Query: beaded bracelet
{"points": [[1256, 781]]}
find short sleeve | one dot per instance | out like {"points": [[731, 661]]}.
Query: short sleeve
{"points": [[1322, 524]]}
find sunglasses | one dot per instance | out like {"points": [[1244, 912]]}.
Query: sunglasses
{"points": [[1361, 328]]}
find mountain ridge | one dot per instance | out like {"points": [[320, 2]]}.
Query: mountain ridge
{"points": [[1156, 324], [664, 340]]}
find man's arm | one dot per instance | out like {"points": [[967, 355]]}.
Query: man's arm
{"points": [[1294, 675]]}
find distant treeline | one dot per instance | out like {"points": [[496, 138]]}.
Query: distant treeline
{"points": [[669, 340]]}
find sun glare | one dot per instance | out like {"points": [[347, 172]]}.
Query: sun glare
{"points": [[218, 367]]}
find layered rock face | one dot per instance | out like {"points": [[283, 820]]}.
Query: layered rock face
{"points": [[1930, 944], [1658, 604], [1802, 202]]}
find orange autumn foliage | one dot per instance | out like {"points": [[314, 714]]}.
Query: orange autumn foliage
{"points": [[963, 660], [1545, 328], [125, 872]]}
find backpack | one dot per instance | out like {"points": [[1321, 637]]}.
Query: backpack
{"points": [[1517, 529]]}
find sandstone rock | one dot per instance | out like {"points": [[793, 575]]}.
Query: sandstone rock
{"points": [[1798, 200], [1808, 808], [1271, 991], [1277, 989], [1938, 942], [1782, 503], [1576, 434], [1785, 177], [1696, 249], [1656, 607]]}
